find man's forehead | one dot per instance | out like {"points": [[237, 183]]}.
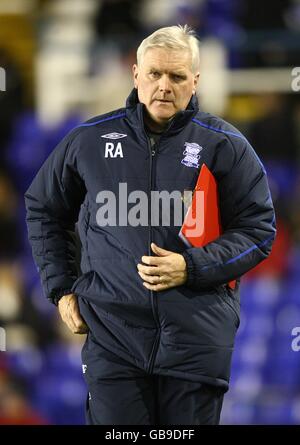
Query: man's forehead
{"points": [[172, 59]]}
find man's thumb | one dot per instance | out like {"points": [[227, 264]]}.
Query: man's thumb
{"points": [[159, 250]]}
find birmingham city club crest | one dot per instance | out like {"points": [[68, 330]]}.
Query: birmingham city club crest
{"points": [[191, 154]]}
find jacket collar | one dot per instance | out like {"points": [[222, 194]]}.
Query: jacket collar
{"points": [[135, 113]]}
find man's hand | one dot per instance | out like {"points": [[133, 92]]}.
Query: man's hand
{"points": [[161, 272], [69, 312]]}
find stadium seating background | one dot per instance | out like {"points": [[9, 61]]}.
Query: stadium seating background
{"points": [[40, 371]]}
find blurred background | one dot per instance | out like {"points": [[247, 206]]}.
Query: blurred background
{"points": [[68, 60]]}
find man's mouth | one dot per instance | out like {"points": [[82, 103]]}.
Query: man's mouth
{"points": [[163, 100]]}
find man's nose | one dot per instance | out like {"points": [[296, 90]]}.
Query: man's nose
{"points": [[164, 84]]}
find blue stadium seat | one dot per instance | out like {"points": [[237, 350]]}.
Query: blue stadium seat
{"points": [[60, 398]]}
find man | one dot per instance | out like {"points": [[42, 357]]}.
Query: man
{"points": [[160, 317]]}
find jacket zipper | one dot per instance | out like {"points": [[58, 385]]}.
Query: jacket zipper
{"points": [[152, 150]]}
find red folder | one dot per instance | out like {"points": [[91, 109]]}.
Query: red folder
{"points": [[197, 232]]}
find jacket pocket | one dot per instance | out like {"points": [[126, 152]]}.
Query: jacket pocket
{"points": [[229, 301]]}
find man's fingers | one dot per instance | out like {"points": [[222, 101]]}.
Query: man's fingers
{"points": [[78, 323], [149, 270], [69, 320], [153, 260], [82, 329], [153, 279], [156, 287]]}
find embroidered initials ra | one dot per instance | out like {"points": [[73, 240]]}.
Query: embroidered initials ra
{"points": [[112, 151]]}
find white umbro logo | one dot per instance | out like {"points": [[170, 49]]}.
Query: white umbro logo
{"points": [[114, 136]]}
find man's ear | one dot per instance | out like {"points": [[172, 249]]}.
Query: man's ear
{"points": [[135, 73], [196, 80]]}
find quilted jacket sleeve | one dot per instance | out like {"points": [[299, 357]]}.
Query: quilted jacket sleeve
{"points": [[247, 216], [53, 202]]}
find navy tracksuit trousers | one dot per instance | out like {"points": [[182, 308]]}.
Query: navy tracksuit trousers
{"points": [[123, 394]]}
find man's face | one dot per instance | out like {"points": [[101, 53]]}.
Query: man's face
{"points": [[165, 83]]}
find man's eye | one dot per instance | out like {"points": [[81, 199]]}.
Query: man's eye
{"points": [[178, 78], [154, 74]]}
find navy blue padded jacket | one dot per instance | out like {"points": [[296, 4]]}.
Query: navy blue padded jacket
{"points": [[187, 331]]}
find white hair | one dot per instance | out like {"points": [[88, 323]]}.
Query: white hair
{"points": [[172, 37]]}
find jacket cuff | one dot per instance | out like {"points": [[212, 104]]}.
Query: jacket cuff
{"points": [[190, 269], [56, 295]]}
